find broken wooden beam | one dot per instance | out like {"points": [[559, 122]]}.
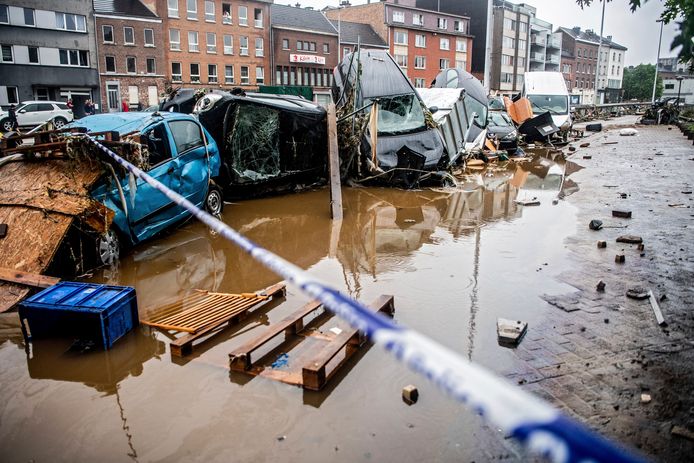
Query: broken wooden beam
{"points": [[334, 166], [656, 308], [26, 278]]}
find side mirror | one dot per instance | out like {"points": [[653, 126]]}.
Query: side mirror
{"points": [[22, 111], [433, 109]]}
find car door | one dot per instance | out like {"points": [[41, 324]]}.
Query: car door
{"points": [[27, 115], [193, 175], [152, 210]]}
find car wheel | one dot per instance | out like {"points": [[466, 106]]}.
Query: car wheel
{"points": [[214, 202], [59, 122], [108, 248], [6, 125]]}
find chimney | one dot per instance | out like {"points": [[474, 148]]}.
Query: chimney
{"points": [[609, 38], [298, 5], [151, 5], [576, 29]]}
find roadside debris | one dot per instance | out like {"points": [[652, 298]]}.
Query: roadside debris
{"points": [[628, 132], [410, 394], [587, 157], [528, 202], [594, 127], [637, 293], [630, 239], [621, 213], [656, 309], [645, 398], [595, 224], [510, 332], [602, 244], [682, 432], [584, 145], [600, 286], [619, 258]]}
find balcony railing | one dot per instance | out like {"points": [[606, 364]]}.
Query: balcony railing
{"points": [[554, 43], [537, 57], [538, 40], [553, 59]]}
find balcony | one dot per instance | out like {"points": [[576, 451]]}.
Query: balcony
{"points": [[552, 59], [537, 57], [554, 42], [538, 40]]}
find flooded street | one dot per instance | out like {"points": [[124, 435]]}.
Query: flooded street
{"points": [[455, 259]]}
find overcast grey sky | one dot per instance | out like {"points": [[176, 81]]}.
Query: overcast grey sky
{"points": [[636, 31]]}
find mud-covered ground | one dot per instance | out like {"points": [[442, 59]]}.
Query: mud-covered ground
{"points": [[455, 259]]}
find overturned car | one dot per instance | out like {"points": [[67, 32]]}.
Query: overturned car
{"points": [[386, 132]]}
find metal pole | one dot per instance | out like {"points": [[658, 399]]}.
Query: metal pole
{"points": [[597, 67], [679, 89], [655, 79]]}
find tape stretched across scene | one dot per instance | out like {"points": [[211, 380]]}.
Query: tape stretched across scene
{"points": [[541, 428]]}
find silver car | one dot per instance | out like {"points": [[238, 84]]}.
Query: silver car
{"points": [[33, 113]]}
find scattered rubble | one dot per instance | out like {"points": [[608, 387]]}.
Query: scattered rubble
{"points": [[619, 258], [410, 394], [637, 293], [628, 132], [630, 239], [601, 286], [510, 332], [602, 244], [645, 398], [595, 224], [621, 213]]}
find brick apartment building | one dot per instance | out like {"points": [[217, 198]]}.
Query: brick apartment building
{"points": [[131, 54], [422, 41], [304, 49], [215, 43], [581, 57]]}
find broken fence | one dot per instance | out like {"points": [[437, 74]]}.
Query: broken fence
{"points": [[540, 427]]}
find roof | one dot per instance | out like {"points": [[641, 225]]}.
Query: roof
{"points": [[123, 7], [591, 37], [356, 32], [125, 122], [301, 19]]}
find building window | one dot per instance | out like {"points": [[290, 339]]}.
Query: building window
{"points": [[420, 40], [420, 83], [228, 74], [285, 44], [7, 55], [578, 52], [12, 95], [521, 44], [193, 41], [209, 11], [444, 44], [244, 75], [69, 22], [259, 47], [107, 33], [461, 45], [459, 26], [192, 9], [149, 37], [400, 37], [243, 16], [228, 45], [110, 64], [346, 51], [42, 94], [151, 66], [259, 75], [418, 19], [34, 55], [258, 17], [243, 46], [521, 62], [506, 60], [401, 60], [420, 62], [326, 48], [29, 17], [508, 42], [173, 11], [212, 73], [522, 27], [4, 15], [128, 36], [194, 72], [461, 64], [442, 23], [506, 78], [519, 80], [226, 13], [509, 24], [398, 17], [211, 40], [176, 75], [174, 39], [131, 65], [444, 63], [73, 57], [299, 45]]}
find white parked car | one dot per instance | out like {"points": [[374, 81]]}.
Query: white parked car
{"points": [[33, 113]]}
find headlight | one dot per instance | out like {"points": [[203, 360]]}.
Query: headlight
{"points": [[206, 102], [511, 135]]}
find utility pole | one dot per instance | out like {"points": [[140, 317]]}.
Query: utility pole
{"points": [[655, 79], [597, 67]]}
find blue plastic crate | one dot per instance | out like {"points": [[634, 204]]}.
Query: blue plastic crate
{"points": [[98, 313]]}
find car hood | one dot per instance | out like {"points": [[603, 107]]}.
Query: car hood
{"points": [[500, 130]]}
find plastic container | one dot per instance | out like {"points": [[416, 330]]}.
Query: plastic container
{"points": [[90, 312]]}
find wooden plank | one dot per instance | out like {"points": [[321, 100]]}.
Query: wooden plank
{"points": [[240, 358], [656, 308], [315, 373], [26, 278], [334, 166]]}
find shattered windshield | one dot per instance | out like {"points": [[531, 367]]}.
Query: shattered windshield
{"points": [[480, 109], [499, 119], [400, 114], [254, 142], [555, 104]]}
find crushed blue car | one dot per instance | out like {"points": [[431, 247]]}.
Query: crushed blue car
{"points": [[177, 151]]}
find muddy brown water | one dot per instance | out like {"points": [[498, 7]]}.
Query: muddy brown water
{"points": [[454, 258]]}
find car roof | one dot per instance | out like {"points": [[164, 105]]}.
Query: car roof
{"points": [[126, 122], [42, 101]]}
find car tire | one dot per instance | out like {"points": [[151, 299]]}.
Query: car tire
{"points": [[6, 125], [214, 200], [108, 248], [59, 122]]}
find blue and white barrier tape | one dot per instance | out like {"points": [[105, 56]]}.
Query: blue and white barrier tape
{"points": [[539, 426]]}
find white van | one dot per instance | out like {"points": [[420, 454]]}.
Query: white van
{"points": [[547, 92]]}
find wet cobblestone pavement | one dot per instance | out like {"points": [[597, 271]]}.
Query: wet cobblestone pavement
{"points": [[599, 351]]}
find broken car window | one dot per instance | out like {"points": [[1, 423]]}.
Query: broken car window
{"points": [[480, 109], [254, 142], [186, 135], [157, 145], [400, 114]]}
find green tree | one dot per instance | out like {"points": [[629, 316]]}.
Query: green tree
{"points": [[638, 83], [674, 10]]}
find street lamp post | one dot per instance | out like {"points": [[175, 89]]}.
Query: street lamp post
{"points": [[655, 79], [679, 89]]}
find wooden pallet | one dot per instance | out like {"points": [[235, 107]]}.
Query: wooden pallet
{"points": [[204, 312], [315, 356]]}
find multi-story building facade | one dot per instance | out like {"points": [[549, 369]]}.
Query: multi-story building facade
{"points": [[422, 41], [305, 49], [215, 43], [131, 46], [510, 46], [352, 34], [545, 47], [48, 52]]}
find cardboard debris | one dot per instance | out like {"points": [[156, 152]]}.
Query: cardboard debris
{"points": [[510, 332], [519, 111]]}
